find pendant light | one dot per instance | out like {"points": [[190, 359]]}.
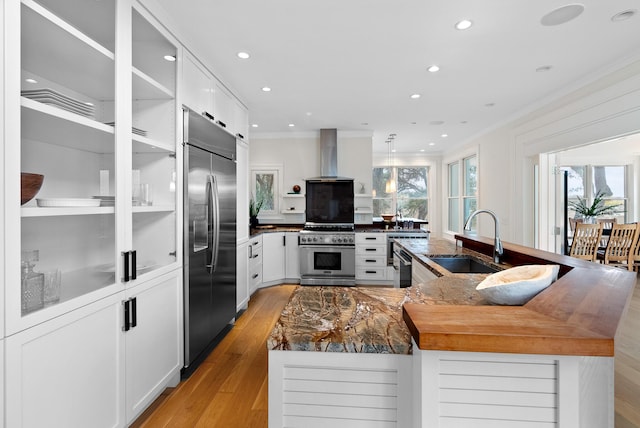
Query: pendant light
{"points": [[390, 185]]}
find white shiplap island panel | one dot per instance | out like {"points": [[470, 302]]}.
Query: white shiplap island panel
{"points": [[478, 390], [320, 389]]}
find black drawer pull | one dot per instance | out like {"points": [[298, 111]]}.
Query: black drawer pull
{"points": [[371, 271], [255, 275], [370, 261]]}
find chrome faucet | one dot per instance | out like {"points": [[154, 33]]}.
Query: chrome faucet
{"points": [[498, 251]]}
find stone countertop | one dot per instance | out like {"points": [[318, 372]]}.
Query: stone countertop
{"points": [[577, 315], [368, 319]]}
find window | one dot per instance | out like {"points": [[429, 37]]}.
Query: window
{"points": [[410, 196], [587, 181], [462, 192]]}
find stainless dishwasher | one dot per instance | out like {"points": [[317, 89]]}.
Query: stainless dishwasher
{"points": [[401, 268]]}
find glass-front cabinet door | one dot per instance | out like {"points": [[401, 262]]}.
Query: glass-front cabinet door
{"points": [[64, 240], [96, 154], [153, 174]]}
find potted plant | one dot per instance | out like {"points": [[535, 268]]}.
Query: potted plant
{"points": [[254, 210], [597, 208]]}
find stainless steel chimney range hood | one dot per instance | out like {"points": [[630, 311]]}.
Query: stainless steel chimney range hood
{"points": [[329, 156]]}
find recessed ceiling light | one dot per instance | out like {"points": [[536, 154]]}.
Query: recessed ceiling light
{"points": [[463, 122], [543, 69], [243, 55], [433, 68], [489, 104], [31, 80], [255, 125], [464, 24], [266, 89], [432, 144], [170, 58], [444, 135], [562, 14], [415, 96], [291, 125], [623, 16], [422, 150], [393, 150], [413, 123]]}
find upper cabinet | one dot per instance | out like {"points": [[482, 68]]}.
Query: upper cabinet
{"points": [[204, 93], [99, 155]]}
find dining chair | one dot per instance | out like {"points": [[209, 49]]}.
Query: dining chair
{"points": [[607, 225], [621, 243], [586, 240], [634, 254]]}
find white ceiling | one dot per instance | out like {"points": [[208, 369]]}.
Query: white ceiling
{"points": [[354, 64]]}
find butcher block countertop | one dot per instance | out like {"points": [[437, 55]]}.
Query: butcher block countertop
{"points": [[577, 315]]}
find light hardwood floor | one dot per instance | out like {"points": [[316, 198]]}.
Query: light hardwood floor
{"points": [[230, 388]]}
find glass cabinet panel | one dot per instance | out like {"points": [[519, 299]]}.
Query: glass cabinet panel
{"points": [[153, 146], [68, 238]]}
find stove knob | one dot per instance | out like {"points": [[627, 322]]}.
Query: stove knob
{"points": [[338, 240], [315, 238]]}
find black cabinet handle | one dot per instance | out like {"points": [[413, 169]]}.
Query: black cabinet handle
{"points": [[207, 115], [239, 135], [370, 271], [370, 238], [134, 312], [369, 249], [255, 275], [370, 261], [221, 123], [127, 325], [284, 240], [134, 264], [125, 255]]}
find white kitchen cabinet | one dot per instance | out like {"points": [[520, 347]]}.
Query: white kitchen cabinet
{"points": [[85, 159], [223, 106], [197, 86], [108, 239], [241, 120], [371, 259], [292, 257], [69, 372], [242, 192], [273, 258], [254, 255], [242, 275], [154, 345]]}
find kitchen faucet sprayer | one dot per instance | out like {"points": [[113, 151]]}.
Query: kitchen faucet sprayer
{"points": [[498, 251]]}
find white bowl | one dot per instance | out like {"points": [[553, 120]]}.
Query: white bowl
{"points": [[516, 286]]}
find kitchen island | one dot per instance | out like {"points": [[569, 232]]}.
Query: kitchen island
{"points": [[343, 355]]}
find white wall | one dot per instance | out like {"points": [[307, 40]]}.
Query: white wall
{"points": [[605, 108], [298, 156]]}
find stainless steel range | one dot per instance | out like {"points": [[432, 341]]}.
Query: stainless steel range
{"points": [[327, 257]]}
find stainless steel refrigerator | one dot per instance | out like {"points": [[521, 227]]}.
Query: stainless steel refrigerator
{"points": [[209, 236]]}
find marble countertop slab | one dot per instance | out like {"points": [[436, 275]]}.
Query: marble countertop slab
{"points": [[366, 319]]}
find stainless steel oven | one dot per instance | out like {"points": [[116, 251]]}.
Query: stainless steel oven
{"points": [[327, 258]]}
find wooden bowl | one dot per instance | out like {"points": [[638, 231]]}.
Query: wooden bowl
{"points": [[29, 186], [386, 217]]}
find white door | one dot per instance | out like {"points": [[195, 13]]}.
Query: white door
{"points": [[68, 372], [154, 346]]}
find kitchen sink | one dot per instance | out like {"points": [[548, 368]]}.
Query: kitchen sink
{"points": [[464, 264]]}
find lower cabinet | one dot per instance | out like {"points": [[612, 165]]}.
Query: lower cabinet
{"points": [[70, 371], [154, 346], [292, 257], [254, 254], [273, 258], [242, 275], [82, 369], [419, 273], [371, 259]]}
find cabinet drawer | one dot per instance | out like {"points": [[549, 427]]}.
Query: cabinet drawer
{"points": [[371, 250], [371, 238], [255, 275], [371, 261], [371, 273]]}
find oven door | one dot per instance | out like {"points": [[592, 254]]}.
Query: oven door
{"points": [[327, 265]]}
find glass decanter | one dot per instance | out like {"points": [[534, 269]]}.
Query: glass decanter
{"points": [[32, 283]]}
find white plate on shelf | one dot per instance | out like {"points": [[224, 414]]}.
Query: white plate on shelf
{"points": [[68, 202]]}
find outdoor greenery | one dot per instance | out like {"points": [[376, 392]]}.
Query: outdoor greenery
{"points": [[599, 206]]}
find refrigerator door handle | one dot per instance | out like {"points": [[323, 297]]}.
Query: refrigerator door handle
{"points": [[214, 221]]}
